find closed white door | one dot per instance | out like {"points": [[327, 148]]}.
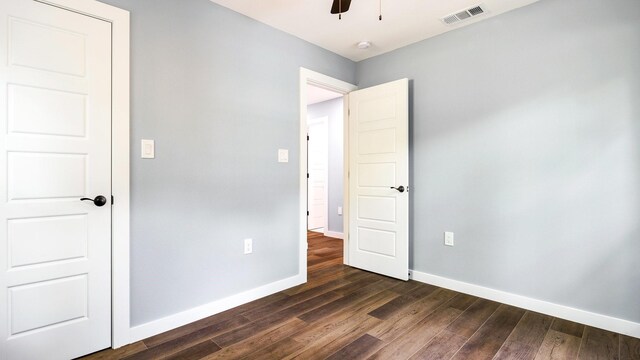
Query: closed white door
{"points": [[55, 119], [379, 179], [318, 150]]}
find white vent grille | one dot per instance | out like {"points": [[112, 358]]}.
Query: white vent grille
{"points": [[450, 19], [463, 15]]}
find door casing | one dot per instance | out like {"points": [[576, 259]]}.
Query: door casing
{"points": [[320, 80], [120, 151]]}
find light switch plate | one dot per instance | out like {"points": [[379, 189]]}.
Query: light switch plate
{"points": [[148, 150], [248, 246], [448, 238], [283, 155]]}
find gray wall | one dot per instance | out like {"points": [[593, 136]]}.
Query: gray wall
{"points": [[525, 142], [334, 110], [218, 92]]}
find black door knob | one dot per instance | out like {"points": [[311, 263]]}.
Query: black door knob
{"points": [[399, 188], [98, 201]]}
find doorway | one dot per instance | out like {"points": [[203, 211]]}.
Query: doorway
{"points": [[375, 174], [322, 97], [325, 122]]}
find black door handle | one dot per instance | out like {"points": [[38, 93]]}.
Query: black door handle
{"points": [[98, 201], [399, 188]]}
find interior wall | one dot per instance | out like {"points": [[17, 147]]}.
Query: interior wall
{"points": [[334, 110], [218, 92], [525, 142]]}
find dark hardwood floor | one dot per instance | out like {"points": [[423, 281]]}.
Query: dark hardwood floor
{"points": [[345, 313]]}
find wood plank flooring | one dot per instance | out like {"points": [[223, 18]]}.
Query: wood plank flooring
{"points": [[346, 313]]}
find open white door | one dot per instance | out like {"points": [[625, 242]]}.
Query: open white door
{"points": [[318, 164], [379, 179], [55, 135]]}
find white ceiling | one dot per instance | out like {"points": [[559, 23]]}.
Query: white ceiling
{"points": [[404, 21], [317, 94]]}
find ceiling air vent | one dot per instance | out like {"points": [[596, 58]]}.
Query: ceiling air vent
{"points": [[475, 11], [463, 15]]}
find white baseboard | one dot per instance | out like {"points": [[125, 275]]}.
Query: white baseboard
{"points": [[564, 312], [334, 234], [155, 327]]}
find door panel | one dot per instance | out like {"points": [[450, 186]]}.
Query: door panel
{"points": [[55, 132], [377, 242], [38, 176], [318, 169], [377, 142], [47, 303], [40, 240], [376, 175], [377, 208], [58, 112], [37, 45], [378, 161]]}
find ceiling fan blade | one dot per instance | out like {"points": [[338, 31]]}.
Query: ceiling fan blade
{"points": [[336, 7]]}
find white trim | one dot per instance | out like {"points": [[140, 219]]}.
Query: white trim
{"points": [[159, 326], [564, 312], [345, 181], [119, 19], [317, 79], [120, 179], [334, 234]]}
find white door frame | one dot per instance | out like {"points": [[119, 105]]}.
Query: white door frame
{"points": [[317, 79], [119, 20]]}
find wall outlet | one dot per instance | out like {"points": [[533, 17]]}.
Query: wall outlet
{"points": [[339, 210], [448, 238], [248, 246]]}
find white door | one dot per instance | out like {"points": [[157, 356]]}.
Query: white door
{"points": [[378, 163], [318, 150], [55, 134]]}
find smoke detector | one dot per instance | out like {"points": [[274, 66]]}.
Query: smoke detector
{"points": [[464, 15], [364, 45]]}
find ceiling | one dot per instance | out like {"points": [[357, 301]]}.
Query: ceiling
{"points": [[317, 94], [404, 21]]}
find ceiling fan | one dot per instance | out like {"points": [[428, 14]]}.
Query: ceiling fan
{"points": [[341, 6]]}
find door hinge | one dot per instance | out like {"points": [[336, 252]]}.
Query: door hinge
{"points": [[349, 112], [307, 175], [307, 137], [307, 212], [112, 200]]}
